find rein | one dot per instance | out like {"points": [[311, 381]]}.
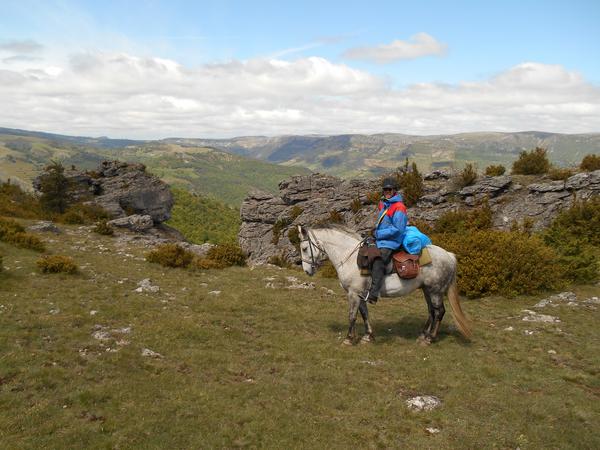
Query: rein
{"points": [[313, 263]]}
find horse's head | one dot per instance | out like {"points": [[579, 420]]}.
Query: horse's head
{"points": [[310, 250]]}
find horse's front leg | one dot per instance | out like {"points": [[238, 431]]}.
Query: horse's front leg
{"points": [[364, 312], [353, 304]]}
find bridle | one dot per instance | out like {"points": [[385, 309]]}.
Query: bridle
{"points": [[313, 262]]}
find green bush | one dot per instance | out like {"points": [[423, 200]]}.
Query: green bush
{"points": [[504, 263], [57, 264], [13, 233], [170, 255], [557, 173], [91, 212], [461, 220], [227, 255], [589, 163], [495, 170], [534, 162], [575, 235], [410, 182], [103, 228]]}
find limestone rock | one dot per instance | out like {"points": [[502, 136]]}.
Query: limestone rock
{"points": [[44, 226], [135, 222]]}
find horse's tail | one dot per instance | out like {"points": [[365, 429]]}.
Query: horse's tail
{"points": [[459, 317]]}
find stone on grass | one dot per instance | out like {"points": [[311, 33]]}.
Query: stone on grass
{"points": [[532, 316], [44, 225], [151, 354], [146, 286], [423, 403]]}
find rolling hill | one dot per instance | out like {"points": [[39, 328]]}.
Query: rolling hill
{"points": [[224, 176]]}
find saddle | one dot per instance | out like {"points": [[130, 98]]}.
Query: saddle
{"points": [[407, 266]]}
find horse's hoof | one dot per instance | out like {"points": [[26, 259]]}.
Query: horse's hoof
{"points": [[347, 341], [367, 339]]}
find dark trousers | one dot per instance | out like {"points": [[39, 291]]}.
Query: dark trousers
{"points": [[378, 271]]}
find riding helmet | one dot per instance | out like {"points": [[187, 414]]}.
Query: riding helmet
{"points": [[389, 183]]}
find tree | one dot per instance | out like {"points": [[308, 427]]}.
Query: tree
{"points": [[411, 183], [54, 187], [534, 162]]}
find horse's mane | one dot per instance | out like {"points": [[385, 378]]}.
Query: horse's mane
{"points": [[337, 227]]}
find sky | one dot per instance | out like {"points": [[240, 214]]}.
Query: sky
{"points": [[217, 69]]}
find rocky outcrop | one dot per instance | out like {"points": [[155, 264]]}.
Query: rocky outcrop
{"points": [[123, 189], [268, 220]]}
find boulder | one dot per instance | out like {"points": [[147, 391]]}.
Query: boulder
{"points": [[135, 222], [44, 226]]}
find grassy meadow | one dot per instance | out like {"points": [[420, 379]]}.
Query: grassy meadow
{"points": [[242, 360]]}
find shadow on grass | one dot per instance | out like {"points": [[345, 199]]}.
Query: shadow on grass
{"points": [[408, 327]]}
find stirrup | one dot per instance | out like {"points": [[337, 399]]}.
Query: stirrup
{"points": [[368, 298]]}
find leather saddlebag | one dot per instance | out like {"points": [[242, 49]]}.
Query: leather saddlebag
{"points": [[367, 253], [406, 265]]}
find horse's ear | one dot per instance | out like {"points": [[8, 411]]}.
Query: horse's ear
{"points": [[302, 231]]}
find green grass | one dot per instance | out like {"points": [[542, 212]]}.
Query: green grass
{"points": [[261, 367]]}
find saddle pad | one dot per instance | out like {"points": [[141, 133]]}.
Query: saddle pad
{"points": [[425, 257]]}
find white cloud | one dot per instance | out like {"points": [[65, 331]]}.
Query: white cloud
{"points": [[121, 95], [421, 44], [20, 47]]}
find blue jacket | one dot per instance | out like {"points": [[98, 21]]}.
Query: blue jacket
{"points": [[390, 231]]}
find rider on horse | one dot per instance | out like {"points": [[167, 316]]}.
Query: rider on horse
{"points": [[388, 232]]}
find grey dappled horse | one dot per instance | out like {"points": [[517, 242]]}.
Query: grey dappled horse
{"points": [[436, 279]]}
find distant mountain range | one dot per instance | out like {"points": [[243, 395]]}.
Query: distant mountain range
{"points": [[356, 154], [227, 168]]}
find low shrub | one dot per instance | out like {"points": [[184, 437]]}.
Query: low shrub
{"points": [[170, 255], [57, 264], [103, 228], [534, 162], [461, 220], [295, 212], [294, 237], [278, 227], [15, 202], [327, 270], [227, 255], [589, 163], [373, 197], [92, 212], [466, 177], [279, 261], [13, 233], [558, 173], [205, 264], [504, 263], [355, 205], [335, 217], [72, 217], [495, 170]]}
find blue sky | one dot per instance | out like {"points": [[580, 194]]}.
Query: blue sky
{"points": [[412, 52]]}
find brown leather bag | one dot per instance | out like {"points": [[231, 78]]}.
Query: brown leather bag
{"points": [[406, 265], [366, 255]]}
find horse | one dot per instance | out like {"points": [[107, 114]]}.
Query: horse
{"points": [[339, 244]]}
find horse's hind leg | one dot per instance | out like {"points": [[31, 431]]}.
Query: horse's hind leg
{"points": [[364, 312], [353, 304], [426, 333], [437, 302]]}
